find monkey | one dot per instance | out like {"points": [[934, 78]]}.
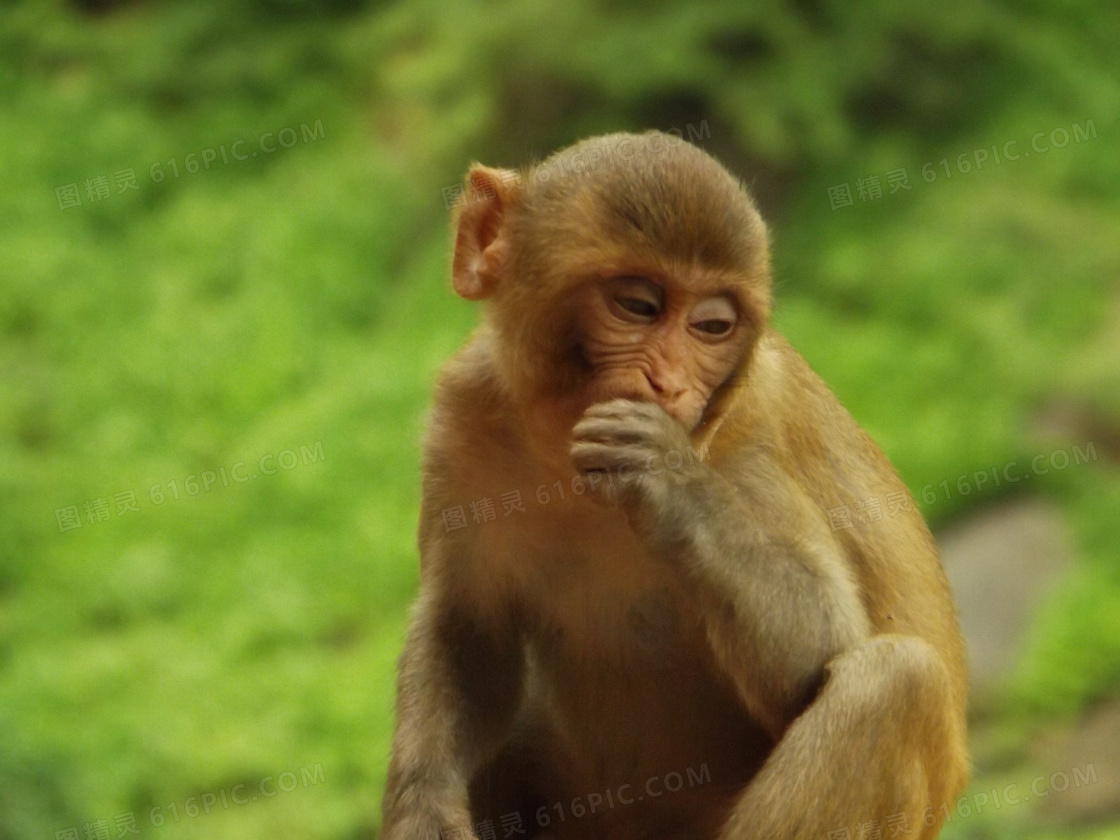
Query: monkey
{"points": [[638, 614]]}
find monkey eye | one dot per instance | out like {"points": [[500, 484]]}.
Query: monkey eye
{"points": [[636, 298], [714, 327], [714, 317], [637, 306]]}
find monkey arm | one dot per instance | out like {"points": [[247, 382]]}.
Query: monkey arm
{"points": [[778, 599], [458, 689]]}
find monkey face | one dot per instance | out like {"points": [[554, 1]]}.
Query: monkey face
{"points": [[660, 341]]}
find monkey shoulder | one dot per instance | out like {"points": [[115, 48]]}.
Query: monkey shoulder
{"points": [[788, 426], [469, 427], [816, 441]]}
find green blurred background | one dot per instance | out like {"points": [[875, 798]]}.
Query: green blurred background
{"points": [[224, 258]]}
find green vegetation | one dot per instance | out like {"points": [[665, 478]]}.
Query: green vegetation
{"points": [[287, 312]]}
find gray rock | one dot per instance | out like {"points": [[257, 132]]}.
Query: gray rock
{"points": [[1082, 767], [1002, 562]]}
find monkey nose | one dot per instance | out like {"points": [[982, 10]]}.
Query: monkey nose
{"points": [[665, 388]]}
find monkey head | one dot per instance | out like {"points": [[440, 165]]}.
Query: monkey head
{"points": [[630, 266]]}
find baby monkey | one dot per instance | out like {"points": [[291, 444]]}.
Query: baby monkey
{"points": [[637, 616]]}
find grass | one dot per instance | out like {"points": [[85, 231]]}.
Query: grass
{"points": [[296, 301]]}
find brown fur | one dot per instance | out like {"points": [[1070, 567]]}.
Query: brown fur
{"points": [[703, 621]]}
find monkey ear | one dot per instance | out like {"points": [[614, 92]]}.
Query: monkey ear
{"points": [[480, 247]]}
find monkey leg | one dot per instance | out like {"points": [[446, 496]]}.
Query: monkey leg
{"points": [[521, 779], [880, 747]]}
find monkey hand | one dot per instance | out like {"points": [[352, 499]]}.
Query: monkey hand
{"points": [[631, 454]]}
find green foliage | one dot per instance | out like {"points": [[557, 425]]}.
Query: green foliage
{"points": [[295, 299]]}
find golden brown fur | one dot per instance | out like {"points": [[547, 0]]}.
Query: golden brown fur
{"points": [[636, 624]]}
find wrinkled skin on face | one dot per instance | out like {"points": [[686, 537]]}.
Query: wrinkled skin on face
{"points": [[649, 341]]}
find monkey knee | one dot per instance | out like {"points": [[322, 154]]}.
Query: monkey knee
{"points": [[894, 700], [921, 698], [914, 663], [894, 672]]}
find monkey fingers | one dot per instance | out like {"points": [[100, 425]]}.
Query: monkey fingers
{"points": [[630, 421], [622, 462], [618, 447]]}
